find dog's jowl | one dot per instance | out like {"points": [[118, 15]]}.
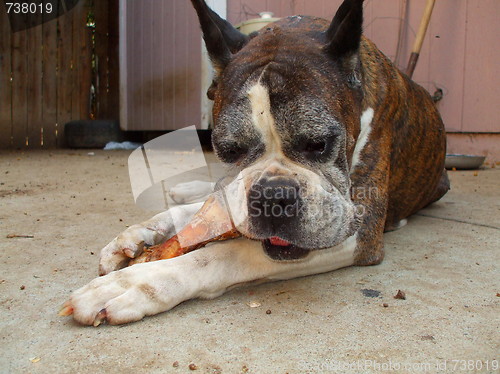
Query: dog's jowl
{"points": [[331, 144]]}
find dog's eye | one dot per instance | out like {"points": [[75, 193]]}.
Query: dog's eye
{"points": [[314, 147], [232, 152], [315, 150]]}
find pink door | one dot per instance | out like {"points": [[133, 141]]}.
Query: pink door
{"points": [[160, 65]]}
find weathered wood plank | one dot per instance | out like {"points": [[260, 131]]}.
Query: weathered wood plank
{"points": [[49, 84], [5, 84], [66, 82], [113, 74], [19, 90], [81, 62], [33, 55], [101, 12]]}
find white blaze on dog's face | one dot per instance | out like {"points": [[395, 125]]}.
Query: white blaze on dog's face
{"points": [[287, 104]]}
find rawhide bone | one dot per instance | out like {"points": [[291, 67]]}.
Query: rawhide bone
{"points": [[211, 223]]}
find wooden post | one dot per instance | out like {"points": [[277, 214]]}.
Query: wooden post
{"points": [[5, 84], [417, 46]]}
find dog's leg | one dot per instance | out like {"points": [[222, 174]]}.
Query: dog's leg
{"points": [[370, 188], [442, 188], [130, 243], [150, 288]]}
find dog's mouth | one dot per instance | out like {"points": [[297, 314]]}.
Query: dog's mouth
{"points": [[281, 250]]}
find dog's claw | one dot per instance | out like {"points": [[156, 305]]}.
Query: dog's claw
{"points": [[100, 318], [66, 310]]}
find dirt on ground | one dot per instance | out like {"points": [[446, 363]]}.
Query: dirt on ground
{"points": [[59, 208]]}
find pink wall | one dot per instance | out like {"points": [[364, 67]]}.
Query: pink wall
{"points": [[460, 54], [475, 144]]}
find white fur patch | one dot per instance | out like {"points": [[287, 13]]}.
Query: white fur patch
{"points": [[322, 261], [262, 117], [398, 225], [366, 121]]}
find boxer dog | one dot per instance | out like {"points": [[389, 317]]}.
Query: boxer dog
{"points": [[332, 145]]}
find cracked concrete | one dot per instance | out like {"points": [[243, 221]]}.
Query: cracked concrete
{"points": [[446, 260]]}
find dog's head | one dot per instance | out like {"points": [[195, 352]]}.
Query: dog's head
{"points": [[287, 105]]}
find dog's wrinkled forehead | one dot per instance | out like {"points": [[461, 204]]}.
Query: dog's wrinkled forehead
{"points": [[286, 61]]}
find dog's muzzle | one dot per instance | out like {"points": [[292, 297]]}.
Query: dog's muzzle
{"points": [[274, 202], [274, 205]]}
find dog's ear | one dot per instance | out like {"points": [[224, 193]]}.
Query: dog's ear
{"points": [[344, 34], [221, 38]]}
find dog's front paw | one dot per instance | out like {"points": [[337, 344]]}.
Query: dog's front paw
{"points": [[129, 244], [121, 297]]}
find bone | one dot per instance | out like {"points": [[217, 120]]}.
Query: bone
{"points": [[211, 223]]}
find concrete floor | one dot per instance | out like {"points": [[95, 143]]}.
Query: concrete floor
{"points": [[446, 261]]}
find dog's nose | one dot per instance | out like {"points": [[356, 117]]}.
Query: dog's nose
{"points": [[274, 199]]}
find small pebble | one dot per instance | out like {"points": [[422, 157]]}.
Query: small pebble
{"points": [[193, 367], [22, 287], [385, 305], [268, 311], [175, 364], [400, 295]]}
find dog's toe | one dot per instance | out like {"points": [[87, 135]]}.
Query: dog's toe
{"points": [[129, 244], [89, 302]]}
